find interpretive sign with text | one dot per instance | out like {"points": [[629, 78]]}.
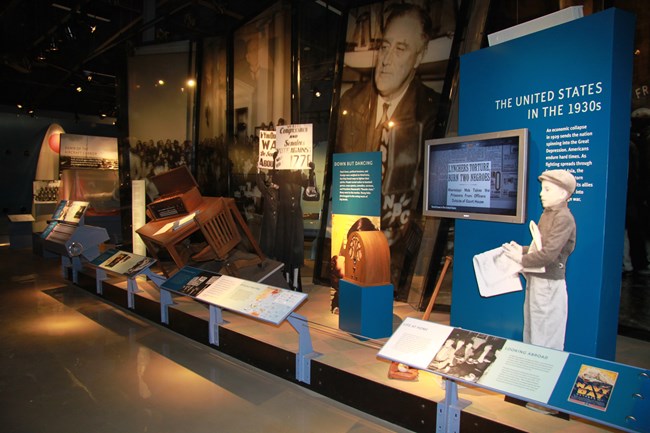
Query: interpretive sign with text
{"points": [[263, 302], [608, 392], [70, 211], [504, 365], [85, 151], [356, 183], [122, 262]]}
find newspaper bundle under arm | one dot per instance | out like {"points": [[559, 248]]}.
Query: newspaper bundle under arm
{"points": [[536, 245]]}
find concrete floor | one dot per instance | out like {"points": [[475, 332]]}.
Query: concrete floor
{"points": [[70, 362]]}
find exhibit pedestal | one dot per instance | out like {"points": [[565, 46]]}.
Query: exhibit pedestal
{"points": [[20, 230], [366, 310]]}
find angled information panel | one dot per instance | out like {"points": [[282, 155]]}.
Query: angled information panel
{"points": [[67, 216], [67, 235], [260, 301], [122, 262], [70, 211], [604, 391]]}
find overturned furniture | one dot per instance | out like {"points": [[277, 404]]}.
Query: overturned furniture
{"points": [[222, 235]]}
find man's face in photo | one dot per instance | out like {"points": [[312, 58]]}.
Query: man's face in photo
{"points": [[400, 53]]}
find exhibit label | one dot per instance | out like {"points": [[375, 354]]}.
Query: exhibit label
{"points": [[85, 151]]}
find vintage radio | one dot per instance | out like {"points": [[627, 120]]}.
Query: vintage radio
{"points": [[367, 258], [179, 194]]}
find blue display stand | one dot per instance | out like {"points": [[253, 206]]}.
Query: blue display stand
{"points": [[366, 310], [570, 86]]}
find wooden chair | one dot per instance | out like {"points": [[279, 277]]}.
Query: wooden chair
{"points": [[222, 236]]}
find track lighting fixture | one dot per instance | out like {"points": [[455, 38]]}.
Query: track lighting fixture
{"points": [[69, 33]]}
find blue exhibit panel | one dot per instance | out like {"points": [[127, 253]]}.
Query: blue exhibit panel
{"points": [[104, 256], [356, 183], [570, 86], [182, 277]]}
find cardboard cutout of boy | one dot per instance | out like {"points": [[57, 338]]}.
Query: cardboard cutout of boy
{"points": [[546, 300]]}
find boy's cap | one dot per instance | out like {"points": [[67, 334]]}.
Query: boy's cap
{"points": [[561, 178]]}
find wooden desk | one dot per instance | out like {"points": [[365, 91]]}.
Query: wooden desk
{"points": [[170, 240]]}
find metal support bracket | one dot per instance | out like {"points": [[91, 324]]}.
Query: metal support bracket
{"points": [[166, 300], [132, 286], [216, 319], [74, 263], [131, 289], [157, 279], [305, 349], [100, 276], [449, 409]]}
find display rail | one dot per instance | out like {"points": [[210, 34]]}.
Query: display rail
{"points": [[264, 303], [550, 381], [633, 386]]}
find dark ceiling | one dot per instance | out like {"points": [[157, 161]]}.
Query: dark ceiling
{"points": [[49, 48]]}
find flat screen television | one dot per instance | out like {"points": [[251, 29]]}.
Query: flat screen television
{"points": [[477, 177]]}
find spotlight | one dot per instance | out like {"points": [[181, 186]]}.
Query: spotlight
{"points": [[41, 56], [79, 89]]}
